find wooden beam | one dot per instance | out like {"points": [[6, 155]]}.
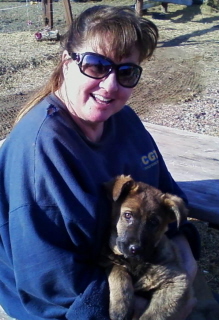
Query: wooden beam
{"points": [[139, 7], [47, 13], [68, 12]]}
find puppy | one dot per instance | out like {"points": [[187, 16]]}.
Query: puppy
{"points": [[140, 258]]}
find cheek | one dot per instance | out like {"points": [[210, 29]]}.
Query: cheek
{"points": [[121, 227], [75, 87], [78, 84], [126, 93], [73, 77], [126, 229]]}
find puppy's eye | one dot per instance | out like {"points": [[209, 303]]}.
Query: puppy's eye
{"points": [[127, 215]]}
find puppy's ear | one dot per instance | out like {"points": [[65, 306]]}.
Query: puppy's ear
{"points": [[118, 187], [178, 210]]}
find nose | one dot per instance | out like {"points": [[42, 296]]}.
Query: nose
{"points": [[134, 249], [109, 83]]}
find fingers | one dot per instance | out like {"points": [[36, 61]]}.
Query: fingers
{"points": [[187, 309], [188, 260]]}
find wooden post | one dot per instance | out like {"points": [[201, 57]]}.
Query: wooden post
{"points": [[139, 7], [47, 13], [68, 12]]}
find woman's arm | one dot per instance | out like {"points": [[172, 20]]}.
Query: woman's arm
{"points": [[191, 268], [54, 277], [52, 227]]}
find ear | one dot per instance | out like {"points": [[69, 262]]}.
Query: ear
{"points": [[65, 55], [176, 206], [65, 60], [119, 186]]}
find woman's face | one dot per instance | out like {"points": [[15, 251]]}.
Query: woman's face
{"points": [[94, 100]]}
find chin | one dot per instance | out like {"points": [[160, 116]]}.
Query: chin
{"points": [[100, 117]]}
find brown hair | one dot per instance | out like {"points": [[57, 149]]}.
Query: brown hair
{"points": [[122, 28]]}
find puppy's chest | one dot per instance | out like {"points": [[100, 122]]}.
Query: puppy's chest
{"points": [[137, 269]]}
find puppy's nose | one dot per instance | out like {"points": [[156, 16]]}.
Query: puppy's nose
{"points": [[134, 249]]}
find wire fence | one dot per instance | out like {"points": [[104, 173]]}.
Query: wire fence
{"points": [[20, 55]]}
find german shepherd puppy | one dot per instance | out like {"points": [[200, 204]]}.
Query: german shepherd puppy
{"points": [[140, 258]]}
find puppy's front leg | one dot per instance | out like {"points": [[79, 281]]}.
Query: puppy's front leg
{"points": [[121, 294], [168, 296]]}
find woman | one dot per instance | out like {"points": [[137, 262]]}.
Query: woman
{"points": [[72, 137]]}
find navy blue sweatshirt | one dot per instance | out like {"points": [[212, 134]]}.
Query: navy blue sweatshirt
{"points": [[54, 212]]}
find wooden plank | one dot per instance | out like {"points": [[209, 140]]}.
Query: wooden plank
{"points": [[193, 160], [47, 13], [138, 7], [3, 315], [68, 12], [1, 142]]}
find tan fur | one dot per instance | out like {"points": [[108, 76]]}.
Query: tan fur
{"points": [[140, 258]]}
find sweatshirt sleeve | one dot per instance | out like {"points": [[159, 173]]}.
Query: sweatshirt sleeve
{"points": [[54, 277], [56, 225]]}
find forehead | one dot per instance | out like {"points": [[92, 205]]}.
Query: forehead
{"points": [[110, 50], [146, 200]]}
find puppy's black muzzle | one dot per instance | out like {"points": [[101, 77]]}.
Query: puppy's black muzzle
{"points": [[129, 249], [134, 249]]}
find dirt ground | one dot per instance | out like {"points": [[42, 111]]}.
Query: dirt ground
{"points": [[179, 86], [181, 81]]}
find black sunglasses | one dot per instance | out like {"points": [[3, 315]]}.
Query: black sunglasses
{"points": [[96, 66]]}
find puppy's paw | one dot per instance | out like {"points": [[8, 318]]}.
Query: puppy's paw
{"points": [[116, 316], [121, 309]]}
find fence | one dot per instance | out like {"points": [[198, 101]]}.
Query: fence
{"points": [[19, 55]]}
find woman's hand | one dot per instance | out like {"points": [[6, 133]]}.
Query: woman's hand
{"points": [[141, 304], [188, 260], [191, 268]]}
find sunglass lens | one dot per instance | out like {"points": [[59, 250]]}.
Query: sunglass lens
{"points": [[95, 66], [129, 75]]}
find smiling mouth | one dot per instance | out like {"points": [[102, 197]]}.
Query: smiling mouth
{"points": [[101, 99]]}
